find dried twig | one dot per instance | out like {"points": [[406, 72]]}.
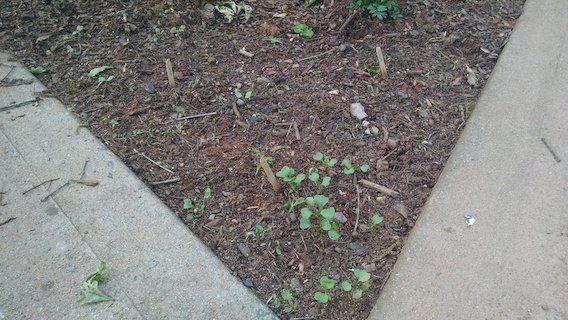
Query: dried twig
{"points": [[154, 162], [236, 110], [246, 53], [12, 67], [379, 188], [155, 183], [296, 131], [550, 149], [269, 174], [317, 55], [87, 182], [358, 205], [8, 220], [21, 104], [54, 191], [198, 115], [39, 185], [346, 23]]}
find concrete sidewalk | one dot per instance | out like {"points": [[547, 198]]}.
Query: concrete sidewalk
{"points": [[513, 262], [157, 269]]}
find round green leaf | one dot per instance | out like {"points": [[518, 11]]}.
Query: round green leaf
{"points": [[364, 168], [333, 235], [305, 223], [321, 297], [357, 294], [325, 225], [364, 276], [318, 156], [286, 295], [326, 282], [377, 219], [328, 213], [306, 213], [346, 285], [325, 182]]}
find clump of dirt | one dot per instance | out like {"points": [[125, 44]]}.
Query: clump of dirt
{"points": [[238, 98]]}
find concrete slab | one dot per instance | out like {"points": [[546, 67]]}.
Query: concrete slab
{"points": [[513, 262], [157, 269]]}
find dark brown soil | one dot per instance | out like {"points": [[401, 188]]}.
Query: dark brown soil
{"points": [[300, 104]]}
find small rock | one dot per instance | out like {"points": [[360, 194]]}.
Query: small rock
{"points": [[367, 131], [424, 113], [178, 75], [245, 251], [393, 143], [370, 267], [240, 102], [296, 285], [382, 165], [401, 208], [374, 130], [344, 46], [339, 217], [358, 111], [359, 249], [263, 80], [248, 283], [365, 123], [333, 92], [208, 13], [150, 87]]}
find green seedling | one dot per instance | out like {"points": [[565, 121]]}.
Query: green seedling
{"points": [[309, 3], [316, 209], [275, 300], [287, 296], [327, 284], [78, 31], [315, 177], [180, 109], [37, 70], [375, 220], [273, 39], [198, 208], [277, 247], [103, 79], [95, 71], [361, 284], [137, 132], [178, 31], [247, 95], [350, 168], [295, 201], [113, 123], [327, 161], [287, 174], [375, 91], [258, 232], [380, 9], [228, 230], [302, 29], [230, 9], [91, 292], [154, 38], [373, 69]]}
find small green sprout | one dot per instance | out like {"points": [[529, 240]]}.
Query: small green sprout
{"points": [[95, 71], [137, 132], [350, 168], [277, 248], [375, 220], [103, 79], [295, 201], [113, 123], [327, 161], [309, 3], [302, 29], [361, 284], [273, 39], [287, 295], [37, 70], [197, 208], [78, 31], [178, 31], [327, 284], [315, 177], [315, 207], [180, 109], [287, 174], [247, 94], [258, 232], [230, 9]]}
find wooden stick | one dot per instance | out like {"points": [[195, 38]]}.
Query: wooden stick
{"points": [[170, 71], [348, 21], [155, 183], [154, 162], [270, 175], [49, 195], [381, 61], [246, 53], [39, 185], [198, 115], [379, 188]]}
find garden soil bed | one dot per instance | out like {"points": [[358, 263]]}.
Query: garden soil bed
{"points": [[195, 135]]}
